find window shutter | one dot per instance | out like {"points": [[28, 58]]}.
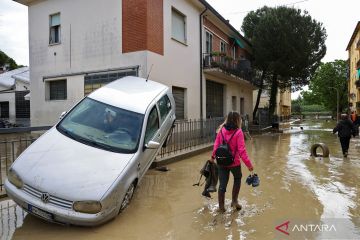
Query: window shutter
{"points": [[178, 26]]}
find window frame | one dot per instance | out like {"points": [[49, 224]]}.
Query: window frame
{"points": [[147, 124], [208, 50], [57, 27], [184, 41], [233, 52], [222, 43], [48, 90], [168, 109]]}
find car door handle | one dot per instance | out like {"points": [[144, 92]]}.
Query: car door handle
{"points": [[159, 135]]}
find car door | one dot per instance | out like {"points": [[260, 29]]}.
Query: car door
{"points": [[151, 134]]}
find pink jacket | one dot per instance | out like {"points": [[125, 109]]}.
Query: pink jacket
{"points": [[237, 146]]}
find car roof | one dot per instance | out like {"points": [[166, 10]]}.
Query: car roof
{"points": [[130, 93]]}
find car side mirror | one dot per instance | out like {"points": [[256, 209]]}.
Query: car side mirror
{"points": [[62, 115], [152, 145]]}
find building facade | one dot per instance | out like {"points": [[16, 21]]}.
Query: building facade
{"points": [[283, 102], [72, 53], [14, 86], [353, 49]]}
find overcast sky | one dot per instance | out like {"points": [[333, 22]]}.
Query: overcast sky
{"points": [[338, 17]]}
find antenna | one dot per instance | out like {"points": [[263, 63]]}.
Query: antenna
{"points": [[149, 72]]}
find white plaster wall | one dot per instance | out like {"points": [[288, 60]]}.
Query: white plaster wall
{"points": [[90, 40], [73, 84], [180, 65], [9, 97], [22, 86], [233, 89]]}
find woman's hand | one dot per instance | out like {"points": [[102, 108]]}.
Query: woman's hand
{"points": [[251, 169], [212, 160]]}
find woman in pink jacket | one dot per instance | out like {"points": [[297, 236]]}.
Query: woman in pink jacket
{"points": [[232, 126]]}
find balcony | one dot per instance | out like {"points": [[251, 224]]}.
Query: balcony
{"points": [[224, 66]]}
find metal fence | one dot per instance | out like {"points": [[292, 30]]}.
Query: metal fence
{"points": [[186, 135], [9, 151]]}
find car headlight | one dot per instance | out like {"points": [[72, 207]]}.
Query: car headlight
{"points": [[15, 179], [87, 206]]}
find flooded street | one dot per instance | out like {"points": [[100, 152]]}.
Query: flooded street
{"points": [[293, 187]]}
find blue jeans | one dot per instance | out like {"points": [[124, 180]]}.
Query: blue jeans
{"points": [[224, 174]]}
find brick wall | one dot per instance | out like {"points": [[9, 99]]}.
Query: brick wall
{"points": [[217, 38], [142, 26], [155, 31]]}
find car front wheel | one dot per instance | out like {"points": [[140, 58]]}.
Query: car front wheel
{"points": [[128, 196]]}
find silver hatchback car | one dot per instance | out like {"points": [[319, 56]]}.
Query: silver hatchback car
{"points": [[84, 170]]}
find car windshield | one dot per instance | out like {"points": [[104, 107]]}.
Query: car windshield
{"points": [[103, 126]]}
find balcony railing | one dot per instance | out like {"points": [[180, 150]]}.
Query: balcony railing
{"points": [[239, 67]]}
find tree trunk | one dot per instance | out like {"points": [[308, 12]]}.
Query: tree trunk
{"points": [[273, 94], [259, 93]]}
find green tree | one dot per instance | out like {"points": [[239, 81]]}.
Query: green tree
{"points": [[328, 76], [5, 59], [310, 98], [288, 46]]}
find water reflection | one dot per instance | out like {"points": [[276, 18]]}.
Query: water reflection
{"points": [[294, 186]]}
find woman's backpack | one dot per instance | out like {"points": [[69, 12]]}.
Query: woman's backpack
{"points": [[223, 154]]}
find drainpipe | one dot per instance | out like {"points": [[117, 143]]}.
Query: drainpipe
{"points": [[201, 64]]}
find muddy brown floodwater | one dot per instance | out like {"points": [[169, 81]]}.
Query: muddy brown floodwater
{"points": [[295, 190]]}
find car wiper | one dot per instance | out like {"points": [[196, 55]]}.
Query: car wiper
{"points": [[69, 133], [97, 144]]}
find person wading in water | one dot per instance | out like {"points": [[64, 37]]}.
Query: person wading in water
{"points": [[231, 133]]}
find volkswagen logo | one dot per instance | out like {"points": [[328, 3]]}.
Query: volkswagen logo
{"points": [[45, 197]]}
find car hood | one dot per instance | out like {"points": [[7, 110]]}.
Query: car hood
{"points": [[69, 169]]}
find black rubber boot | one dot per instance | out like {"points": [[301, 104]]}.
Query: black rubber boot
{"points": [[221, 199], [235, 194], [213, 179]]}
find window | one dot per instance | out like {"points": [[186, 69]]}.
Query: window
{"points": [[56, 90], [233, 101], [214, 99], [242, 106], [208, 42], [95, 81], [4, 109], [178, 24], [54, 29], [152, 125], [164, 106], [222, 47]]}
